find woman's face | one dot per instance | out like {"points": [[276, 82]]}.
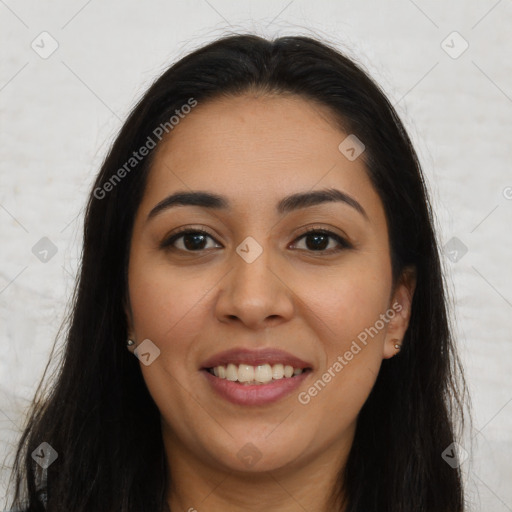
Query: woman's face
{"points": [[253, 284]]}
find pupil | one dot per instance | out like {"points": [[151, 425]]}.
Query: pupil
{"points": [[193, 236], [316, 237]]}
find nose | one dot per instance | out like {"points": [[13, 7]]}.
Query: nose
{"points": [[255, 293]]}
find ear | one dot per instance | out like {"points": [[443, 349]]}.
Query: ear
{"points": [[129, 318], [401, 303]]}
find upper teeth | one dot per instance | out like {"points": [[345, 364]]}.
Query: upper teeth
{"points": [[260, 374]]}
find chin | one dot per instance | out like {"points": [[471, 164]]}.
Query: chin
{"points": [[256, 454]]}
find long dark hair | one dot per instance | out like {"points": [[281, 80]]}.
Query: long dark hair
{"points": [[99, 416]]}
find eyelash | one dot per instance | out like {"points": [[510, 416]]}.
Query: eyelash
{"points": [[343, 244]]}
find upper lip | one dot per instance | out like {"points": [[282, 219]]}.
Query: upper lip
{"points": [[254, 358]]}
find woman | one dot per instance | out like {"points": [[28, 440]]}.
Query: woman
{"points": [[260, 321]]}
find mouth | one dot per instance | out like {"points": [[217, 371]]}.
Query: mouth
{"points": [[250, 377]]}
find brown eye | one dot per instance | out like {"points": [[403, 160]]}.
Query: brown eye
{"points": [[317, 240], [192, 240], [195, 240]]}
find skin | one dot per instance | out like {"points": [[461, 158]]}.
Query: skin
{"points": [[256, 149]]}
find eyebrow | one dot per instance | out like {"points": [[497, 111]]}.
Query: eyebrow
{"points": [[287, 204]]}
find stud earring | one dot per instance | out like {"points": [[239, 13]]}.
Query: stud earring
{"points": [[129, 343], [397, 345]]}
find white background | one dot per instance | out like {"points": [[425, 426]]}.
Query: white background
{"points": [[60, 114]]}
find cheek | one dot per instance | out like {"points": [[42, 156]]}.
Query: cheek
{"points": [[346, 309], [167, 306], [169, 309], [347, 300]]}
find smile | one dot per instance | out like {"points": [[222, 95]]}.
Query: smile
{"points": [[253, 377]]}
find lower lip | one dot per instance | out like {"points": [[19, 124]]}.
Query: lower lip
{"points": [[256, 394]]}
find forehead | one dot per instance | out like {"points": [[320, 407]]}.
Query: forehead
{"points": [[256, 150]]}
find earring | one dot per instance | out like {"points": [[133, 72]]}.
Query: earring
{"points": [[397, 345], [129, 343]]}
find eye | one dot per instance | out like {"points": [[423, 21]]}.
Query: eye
{"points": [[193, 240], [319, 241]]}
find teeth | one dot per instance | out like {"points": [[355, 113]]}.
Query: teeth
{"points": [[245, 373], [288, 371], [231, 372], [263, 373], [248, 374], [277, 371]]}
